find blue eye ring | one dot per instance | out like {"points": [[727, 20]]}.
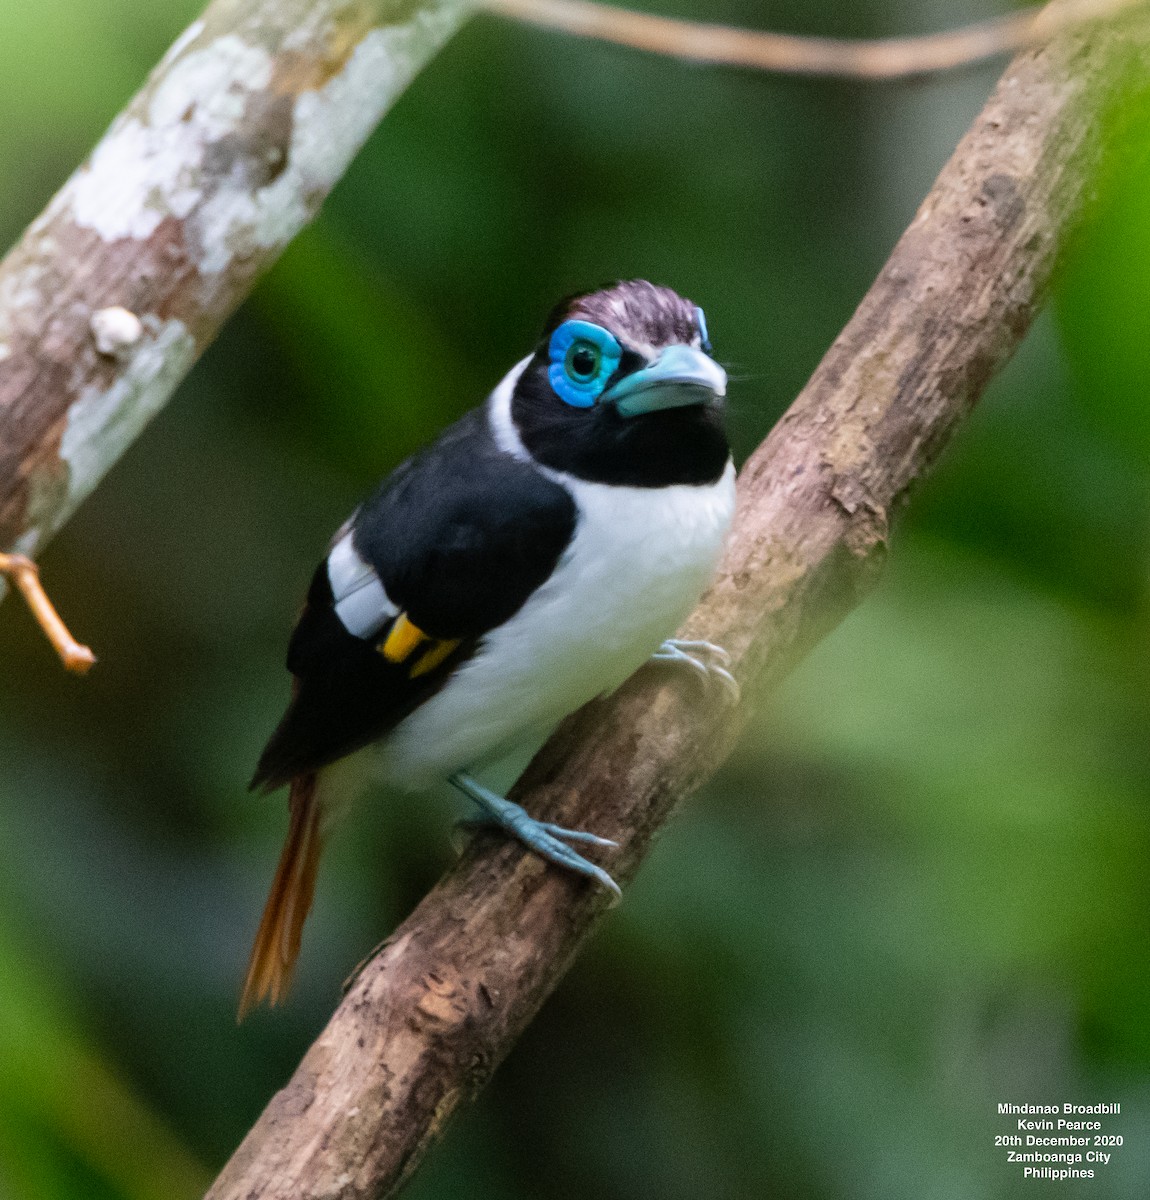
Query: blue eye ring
{"points": [[583, 357]]}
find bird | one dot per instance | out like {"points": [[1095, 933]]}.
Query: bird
{"points": [[533, 557]]}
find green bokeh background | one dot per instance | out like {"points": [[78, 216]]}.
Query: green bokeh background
{"points": [[919, 889]]}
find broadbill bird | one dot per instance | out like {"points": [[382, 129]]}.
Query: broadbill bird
{"points": [[535, 555]]}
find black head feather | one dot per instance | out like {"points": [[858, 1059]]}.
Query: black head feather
{"points": [[675, 445]]}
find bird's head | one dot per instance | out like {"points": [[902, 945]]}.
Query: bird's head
{"points": [[622, 389]]}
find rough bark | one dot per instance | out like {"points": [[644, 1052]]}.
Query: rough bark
{"points": [[436, 1009], [228, 150]]}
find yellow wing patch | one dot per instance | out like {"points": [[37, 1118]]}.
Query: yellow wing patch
{"points": [[405, 638], [438, 652]]}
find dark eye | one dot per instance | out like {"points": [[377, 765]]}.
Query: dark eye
{"points": [[583, 361]]}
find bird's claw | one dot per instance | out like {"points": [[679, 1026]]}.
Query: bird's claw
{"points": [[478, 824], [547, 840], [709, 662]]}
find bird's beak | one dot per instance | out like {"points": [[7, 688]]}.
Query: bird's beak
{"points": [[679, 377]]}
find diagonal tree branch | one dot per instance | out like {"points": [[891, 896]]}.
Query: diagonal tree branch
{"points": [[229, 149], [430, 1016]]}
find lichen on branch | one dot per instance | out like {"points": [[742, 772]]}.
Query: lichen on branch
{"points": [[225, 154]]}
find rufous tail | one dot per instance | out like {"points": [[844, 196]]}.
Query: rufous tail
{"points": [[277, 941]]}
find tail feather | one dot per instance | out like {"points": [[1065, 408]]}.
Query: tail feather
{"points": [[277, 942]]}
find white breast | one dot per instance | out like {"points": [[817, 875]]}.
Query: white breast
{"points": [[639, 561]]}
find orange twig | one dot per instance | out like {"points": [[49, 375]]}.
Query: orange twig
{"points": [[26, 576], [789, 54]]}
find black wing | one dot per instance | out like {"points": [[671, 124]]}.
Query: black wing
{"points": [[459, 536]]}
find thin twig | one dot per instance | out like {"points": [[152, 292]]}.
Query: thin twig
{"points": [[427, 1020], [790, 54], [26, 576]]}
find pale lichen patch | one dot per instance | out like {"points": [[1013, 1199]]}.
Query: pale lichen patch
{"points": [[220, 146], [106, 420], [328, 126], [311, 56], [27, 544], [192, 190], [207, 90], [181, 43], [332, 122], [146, 169]]}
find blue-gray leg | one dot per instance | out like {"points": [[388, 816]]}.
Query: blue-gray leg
{"points": [[708, 661], [539, 836]]}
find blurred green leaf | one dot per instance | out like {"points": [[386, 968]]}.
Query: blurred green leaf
{"points": [[384, 380], [66, 1114]]}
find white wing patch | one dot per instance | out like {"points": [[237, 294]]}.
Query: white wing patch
{"points": [[361, 604]]}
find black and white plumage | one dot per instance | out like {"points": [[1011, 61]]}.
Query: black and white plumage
{"points": [[530, 559]]}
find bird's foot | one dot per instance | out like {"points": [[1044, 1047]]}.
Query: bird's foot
{"points": [[708, 661], [549, 841]]}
